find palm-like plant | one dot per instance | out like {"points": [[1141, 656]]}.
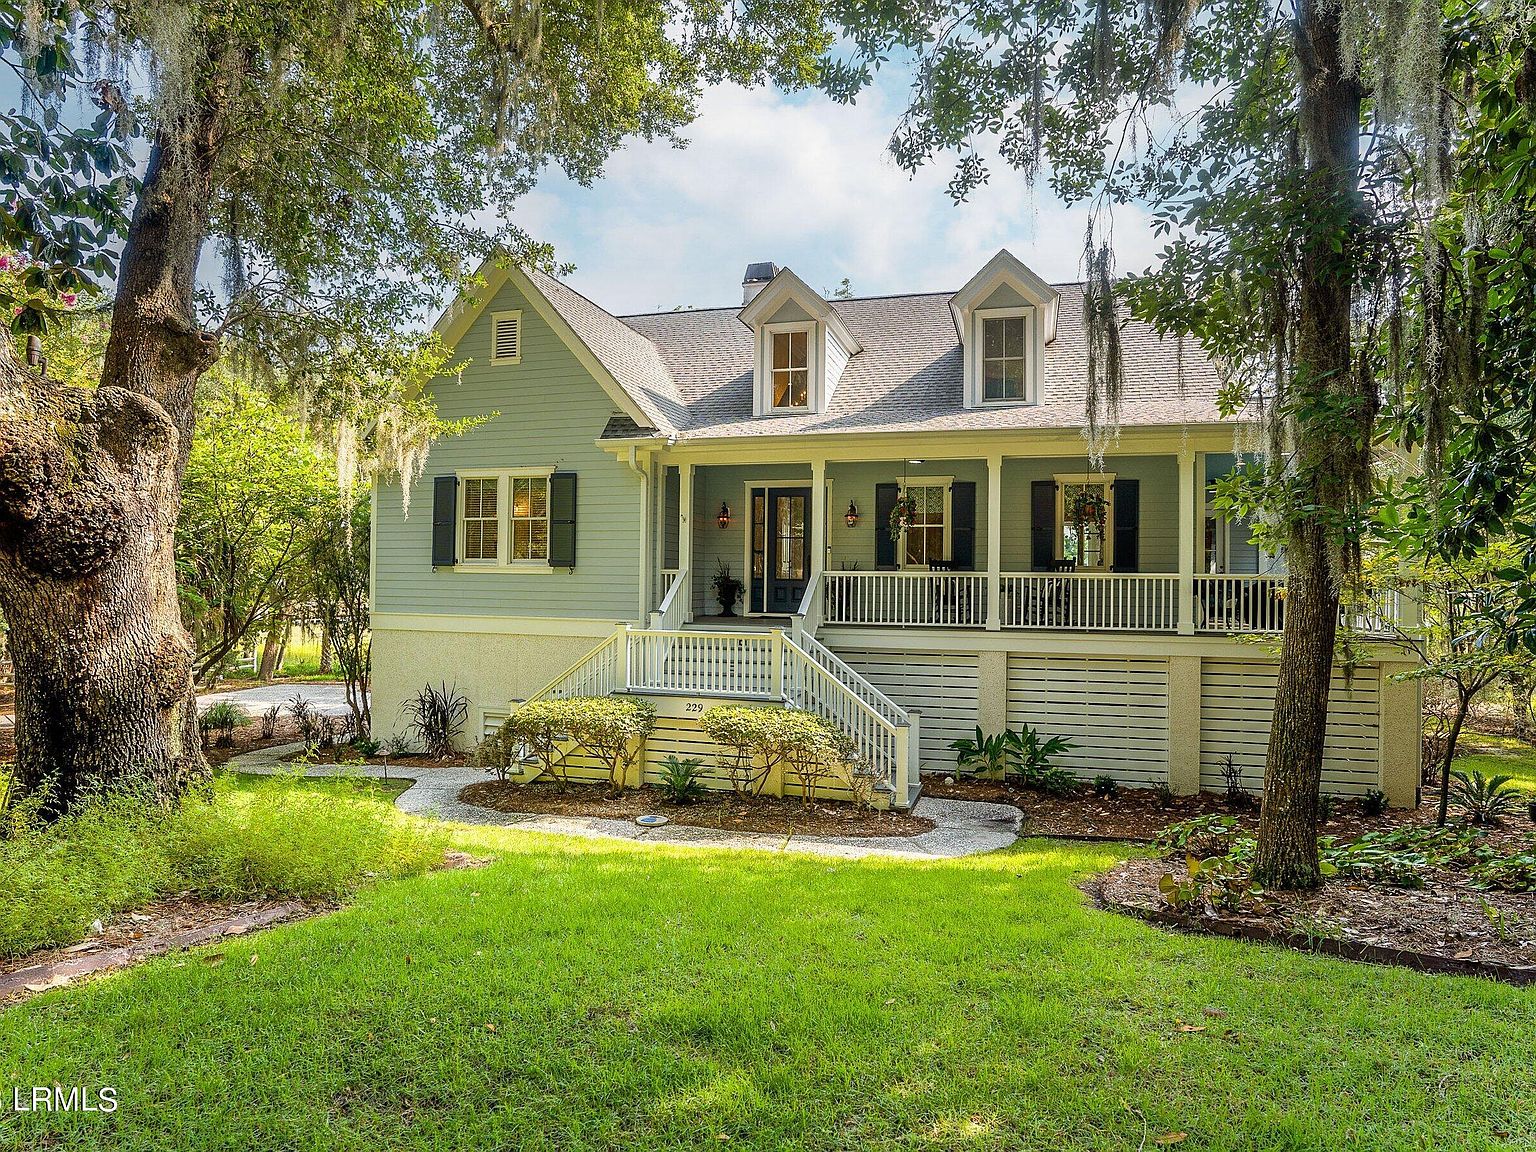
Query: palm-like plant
{"points": [[984, 755], [1485, 799], [1033, 754]]}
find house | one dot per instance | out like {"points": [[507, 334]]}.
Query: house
{"points": [[903, 486]]}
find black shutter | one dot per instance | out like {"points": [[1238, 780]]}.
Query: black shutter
{"points": [[1042, 525], [1127, 526], [562, 520], [885, 503], [445, 521], [962, 507]]}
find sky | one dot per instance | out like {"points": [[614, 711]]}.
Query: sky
{"points": [[805, 183]]}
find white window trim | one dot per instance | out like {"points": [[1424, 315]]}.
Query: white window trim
{"points": [[496, 317], [1106, 480], [814, 362], [948, 484], [1032, 365], [502, 564]]}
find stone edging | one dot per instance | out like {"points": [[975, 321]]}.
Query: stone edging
{"points": [[1358, 950], [56, 973]]}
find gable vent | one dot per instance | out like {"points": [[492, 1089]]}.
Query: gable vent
{"points": [[506, 337]]}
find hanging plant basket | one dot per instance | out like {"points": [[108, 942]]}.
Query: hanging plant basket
{"points": [[903, 516], [1089, 507]]}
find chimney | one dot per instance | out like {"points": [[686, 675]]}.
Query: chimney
{"points": [[756, 279]]}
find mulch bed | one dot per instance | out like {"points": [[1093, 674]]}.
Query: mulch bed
{"points": [[769, 814], [1446, 926], [1139, 814]]}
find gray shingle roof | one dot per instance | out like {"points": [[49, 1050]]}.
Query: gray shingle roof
{"points": [[691, 372]]}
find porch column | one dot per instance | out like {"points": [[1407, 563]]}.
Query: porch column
{"points": [[685, 536], [818, 520], [1187, 543], [994, 543]]}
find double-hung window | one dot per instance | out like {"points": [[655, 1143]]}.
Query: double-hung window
{"points": [[1086, 515], [504, 520], [789, 386], [927, 521], [1002, 358]]}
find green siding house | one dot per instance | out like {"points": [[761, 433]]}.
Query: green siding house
{"points": [[902, 489]]}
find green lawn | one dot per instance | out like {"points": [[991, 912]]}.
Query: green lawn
{"points": [[1498, 755], [594, 995], [355, 787]]}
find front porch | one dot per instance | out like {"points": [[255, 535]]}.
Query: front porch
{"points": [[998, 543]]}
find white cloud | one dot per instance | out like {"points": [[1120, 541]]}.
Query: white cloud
{"points": [[803, 182]]}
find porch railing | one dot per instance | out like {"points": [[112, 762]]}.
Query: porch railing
{"points": [[671, 615], [1250, 603], [914, 599], [1091, 601], [703, 663]]}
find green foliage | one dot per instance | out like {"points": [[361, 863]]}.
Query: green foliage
{"points": [[754, 741], [983, 755], [255, 484], [1200, 836], [337, 585], [435, 717], [1484, 799], [1218, 883], [222, 718], [680, 779], [1512, 873], [1105, 786], [1163, 793], [281, 838], [269, 719], [1032, 756], [1374, 802], [610, 728]]}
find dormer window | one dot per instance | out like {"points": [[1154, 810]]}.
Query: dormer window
{"points": [[791, 383], [1003, 356]]}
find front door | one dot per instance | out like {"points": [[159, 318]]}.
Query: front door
{"points": [[780, 562]]}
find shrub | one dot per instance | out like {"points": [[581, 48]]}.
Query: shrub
{"points": [[680, 779], [308, 720], [1401, 856], [609, 728], [1163, 794], [1033, 757], [435, 717], [365, 746], [1374, 802], [1219, 883], [269, 719], [1237, 793], [1485, 799], [1325, 805], [1105, 786], [755, 740], [222, 718]]}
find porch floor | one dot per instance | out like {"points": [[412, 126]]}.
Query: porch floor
{"points": [[739, 623]]}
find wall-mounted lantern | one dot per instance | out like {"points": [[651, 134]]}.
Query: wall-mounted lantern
{"points": [[851, 517], [724, 519]]}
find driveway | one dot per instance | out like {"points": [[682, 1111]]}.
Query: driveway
{"points": [[328, 699]]}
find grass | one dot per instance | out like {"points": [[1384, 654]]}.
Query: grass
{"points": [[1499, 755], [273, 836], [580, 995]]}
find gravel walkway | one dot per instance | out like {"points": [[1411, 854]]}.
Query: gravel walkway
{"points": [[325, 697], [962, 827]]}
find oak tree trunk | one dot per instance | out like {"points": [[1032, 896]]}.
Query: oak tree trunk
{"points": [[1332, 442], [90, 487]]}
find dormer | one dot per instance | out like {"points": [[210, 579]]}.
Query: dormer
{"points": [[1005, 316], [802, 345]]}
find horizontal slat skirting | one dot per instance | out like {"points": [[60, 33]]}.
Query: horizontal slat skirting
{"points": [[943, 687]]}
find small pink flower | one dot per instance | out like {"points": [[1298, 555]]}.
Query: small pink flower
{"points": [[69, 299], [5, 262]]}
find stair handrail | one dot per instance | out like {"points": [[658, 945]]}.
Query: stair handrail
{"points": [[592, 673], [670, 616], [812, 610], [852, 679], [882, 741]]}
